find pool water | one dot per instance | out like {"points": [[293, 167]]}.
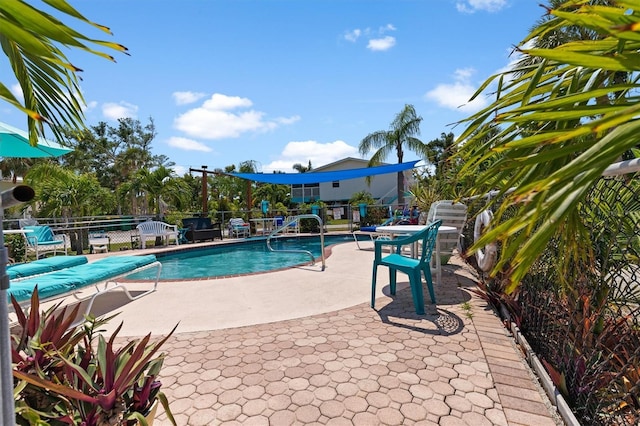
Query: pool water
{"points": [[238, 258]]}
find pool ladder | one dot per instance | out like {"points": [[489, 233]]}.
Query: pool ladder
{"points": [[291, 222]]}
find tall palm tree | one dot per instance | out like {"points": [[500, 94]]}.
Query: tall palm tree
{"points": [[404, 129], [33, 40], [554, 136], [298, 167]]}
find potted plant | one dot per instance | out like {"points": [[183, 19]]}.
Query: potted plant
{"points": [[68, 375]]}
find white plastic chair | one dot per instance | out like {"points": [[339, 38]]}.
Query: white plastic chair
{"points": [[451, 214], [238, 227]]}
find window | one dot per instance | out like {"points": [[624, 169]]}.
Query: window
{"points": [[305, 192]]}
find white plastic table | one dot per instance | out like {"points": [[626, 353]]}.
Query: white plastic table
{"points": [[412, 229]]}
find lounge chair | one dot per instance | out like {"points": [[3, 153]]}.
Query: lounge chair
{"points": [[413, 267], [18, 271], [238, 227], [40, 240], [103, 275], [372, 233]]}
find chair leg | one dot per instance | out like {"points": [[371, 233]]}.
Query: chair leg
{"points": [[429, 280], [416, 291], [373, 286], [392, 281]]}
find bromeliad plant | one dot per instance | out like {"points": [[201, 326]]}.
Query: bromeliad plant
{"points": [[69, 375]]}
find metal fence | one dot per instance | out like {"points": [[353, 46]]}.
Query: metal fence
{"points": [[588, 332], [121, 230]]}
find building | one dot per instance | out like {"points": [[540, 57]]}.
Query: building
{"points": [[382, 187]]}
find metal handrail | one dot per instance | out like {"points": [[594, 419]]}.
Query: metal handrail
{"points": [[294, 220]]}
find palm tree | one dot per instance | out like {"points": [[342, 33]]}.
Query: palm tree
{"points": [[162, 186], [63, 193], [33, 40], [553, 136], [302, 169], [402, 134]]}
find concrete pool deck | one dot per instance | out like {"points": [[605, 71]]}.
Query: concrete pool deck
{"points": [[302, 346]]}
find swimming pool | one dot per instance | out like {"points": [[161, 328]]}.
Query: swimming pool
{"points": [[247, 257]]}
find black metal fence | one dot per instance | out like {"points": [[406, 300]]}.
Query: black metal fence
{"points": [[585, 325]]}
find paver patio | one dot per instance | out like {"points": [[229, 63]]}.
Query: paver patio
{"points": [[456, 365]]}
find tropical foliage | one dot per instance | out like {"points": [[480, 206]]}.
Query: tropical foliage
{"points": [[68, 374], [33, 41], [401, 135], [556, 124]]}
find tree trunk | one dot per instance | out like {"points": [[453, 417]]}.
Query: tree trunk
{"points": [[400, 184]]}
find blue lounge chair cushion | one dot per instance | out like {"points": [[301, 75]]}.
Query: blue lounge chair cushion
{"points": [[76, 277], [110, 267], [42, 234], [42, 266], [51, 286], [368, 228]]}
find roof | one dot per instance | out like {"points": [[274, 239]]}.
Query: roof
{"points": [[336, 164]]}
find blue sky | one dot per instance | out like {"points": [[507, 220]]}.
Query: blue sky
{"points": [[281, 82]]}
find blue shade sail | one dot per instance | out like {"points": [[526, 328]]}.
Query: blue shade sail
{"points": [[317, 177]]}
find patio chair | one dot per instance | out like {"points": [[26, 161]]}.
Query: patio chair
{"points": [[451, 214], [238, 227], [413, 267], [293, 224], [40, 240]]}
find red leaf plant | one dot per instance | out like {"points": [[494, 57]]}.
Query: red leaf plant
{"points": [[64, 377]]}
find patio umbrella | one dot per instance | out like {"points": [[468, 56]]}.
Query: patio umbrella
{"points": [[14, 143]]}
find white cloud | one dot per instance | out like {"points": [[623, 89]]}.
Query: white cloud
{"points": [[184, 98], [180, 170], [222, 102], [381, 44], [318, 153], [471, 6], [377, 41], [187, 144], [288, 120], [114, 111], [456, 95], [217, 118], [353, 35]]}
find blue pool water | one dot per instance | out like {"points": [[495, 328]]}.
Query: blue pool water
{"points": [[238, 258]]}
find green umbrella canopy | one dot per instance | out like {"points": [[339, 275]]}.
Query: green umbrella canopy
{"points": [[15, 143]]}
